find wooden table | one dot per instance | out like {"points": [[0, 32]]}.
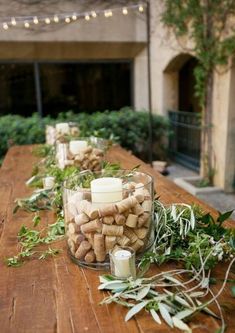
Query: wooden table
{"points": [[57, 296]]}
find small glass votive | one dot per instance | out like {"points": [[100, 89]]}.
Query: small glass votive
{"points": [[122, 262], [48, 182]]}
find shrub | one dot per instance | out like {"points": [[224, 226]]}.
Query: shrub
{"points": [[128, 127]]}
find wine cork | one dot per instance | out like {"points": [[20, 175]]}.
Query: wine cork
{"points": [[97, 167], [120, 219], [131, 221], [141, 233], [142, 191], [139, 197], [78, 238], [110, 241], [132, 185], [108, 210], [90, 256], [73, 228], [98, 152], [125, 204], [108, 219], [123, 240], [79, 157], [95, 163], [92, 157], [142, 219], [138, 209], [71, 208], [90, 238], [92, 226], [85, 164], [82, 250], [137, 245], [130, 234], [81, 219], [147, 206], [112, 230], [86, 207], [71, 246], [87, 150], [99, 247], [83, 206]]}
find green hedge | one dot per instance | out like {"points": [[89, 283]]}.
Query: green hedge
{"points": [[128, 127]]}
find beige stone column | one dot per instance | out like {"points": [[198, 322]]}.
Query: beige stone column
{"points": [[229, 181]]}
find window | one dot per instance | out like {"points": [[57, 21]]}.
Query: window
{"points": [[17, 89], [89, 87]]}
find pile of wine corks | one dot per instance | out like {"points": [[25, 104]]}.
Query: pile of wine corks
{"points": [[93, 232], [88, 158]]}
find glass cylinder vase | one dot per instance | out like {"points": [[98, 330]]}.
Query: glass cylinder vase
{"points": [[106, 210], [84, 153]]}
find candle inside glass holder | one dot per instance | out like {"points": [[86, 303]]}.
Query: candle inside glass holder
{"points": [[122, 262]]}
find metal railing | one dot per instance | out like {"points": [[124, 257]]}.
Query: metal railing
{"points": [[185, 143]]}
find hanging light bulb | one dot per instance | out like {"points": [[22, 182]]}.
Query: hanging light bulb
{"points": [[110, 13], [141, 8], [106, 14], [26, 25], [56, 19], [13, 21], [5, 26], [93, 14], [87, 17], [74, 17], [67, 20], [124, 11], [47, 20], [35, 20]]}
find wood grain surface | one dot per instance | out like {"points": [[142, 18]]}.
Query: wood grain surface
{"points": [[55, 295]]}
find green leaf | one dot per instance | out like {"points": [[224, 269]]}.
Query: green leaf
{"points": [[142, 293], [181, 325], [223, 217], [184, 314], [165, 314], [137, 308], [233, 291], [36, 220], [112, 285], [155, 316]]}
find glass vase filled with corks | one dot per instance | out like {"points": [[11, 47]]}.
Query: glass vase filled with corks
{"points": [[84, 153], [105, 210]]}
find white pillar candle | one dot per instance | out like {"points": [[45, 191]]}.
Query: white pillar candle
{"points": [[62, 128], [122, 263], [106, 190], [61, 154], [75, 146], [50, 135], [48, 183]]}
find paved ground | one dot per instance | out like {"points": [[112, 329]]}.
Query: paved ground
{"points": [[220, 201]]}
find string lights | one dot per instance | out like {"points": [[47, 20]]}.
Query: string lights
{"points": [[28, 21]]}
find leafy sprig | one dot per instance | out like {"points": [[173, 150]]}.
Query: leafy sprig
{"points": [[30, 239], [182, 230], [167, 296]]}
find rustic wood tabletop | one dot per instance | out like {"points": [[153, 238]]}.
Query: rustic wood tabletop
{"points": [[55, 295]]}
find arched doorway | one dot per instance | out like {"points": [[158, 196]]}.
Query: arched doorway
{"points": [[183, 110]]}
